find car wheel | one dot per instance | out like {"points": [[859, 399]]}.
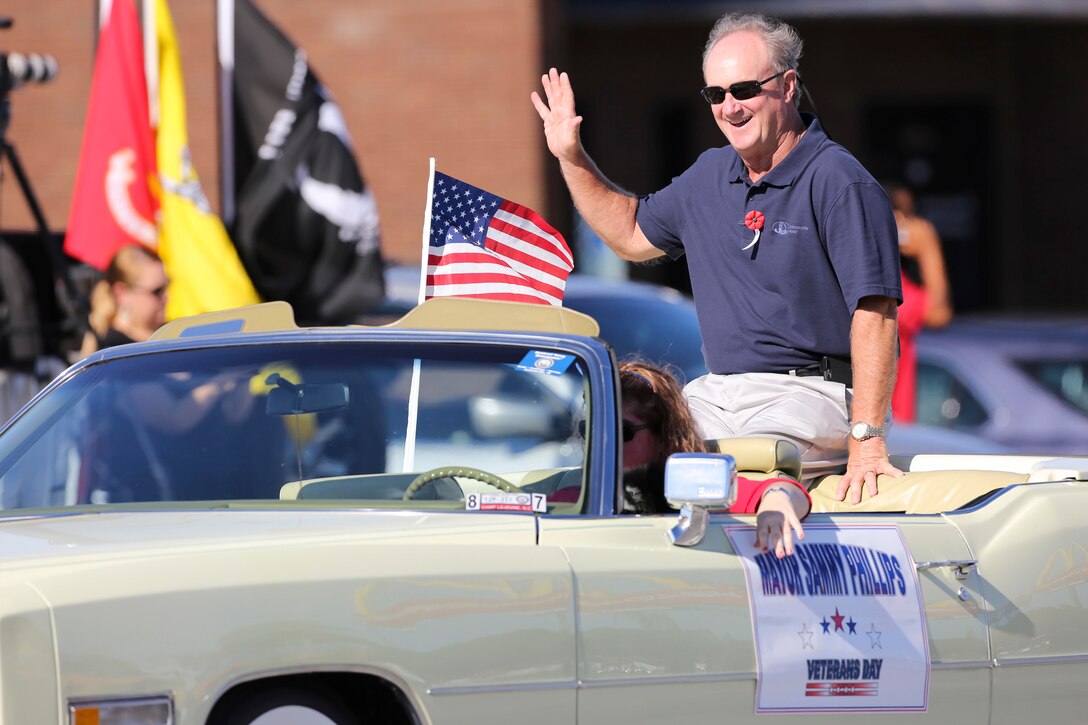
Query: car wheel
{"points": [[290, 706]]}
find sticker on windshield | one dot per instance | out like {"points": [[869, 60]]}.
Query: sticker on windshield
{"points": [[528, 502], [549, 363]]}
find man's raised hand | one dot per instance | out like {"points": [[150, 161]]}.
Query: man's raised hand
{"points": [[561, 125]]}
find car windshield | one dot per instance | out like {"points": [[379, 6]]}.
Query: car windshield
{"points": [[336, 420], [1067, 379]]}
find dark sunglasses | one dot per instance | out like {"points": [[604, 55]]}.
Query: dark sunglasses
{"points": [[740, 91], [630, 429], [158, 291]]}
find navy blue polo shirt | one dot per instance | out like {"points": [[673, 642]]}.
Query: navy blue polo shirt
{"points": [[828, 239]]}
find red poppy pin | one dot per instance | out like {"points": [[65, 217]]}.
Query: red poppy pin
{"points": [[754, 221]]}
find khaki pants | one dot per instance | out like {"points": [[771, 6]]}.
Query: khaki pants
{"points": [[811, 412]]}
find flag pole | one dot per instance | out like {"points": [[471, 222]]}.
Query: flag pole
{"points": [[104, 8], [225, 52], [413, 393], [151, 63], [426, 235]]}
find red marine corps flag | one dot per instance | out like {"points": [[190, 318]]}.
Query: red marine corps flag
{"points": [[113, 203]]}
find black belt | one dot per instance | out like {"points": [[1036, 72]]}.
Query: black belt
{"points": [[833, 369]]}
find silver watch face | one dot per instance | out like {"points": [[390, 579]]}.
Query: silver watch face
{"points": [[864, 431]]}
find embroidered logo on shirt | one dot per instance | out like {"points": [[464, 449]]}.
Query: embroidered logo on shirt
{"points": [[785, 228]]}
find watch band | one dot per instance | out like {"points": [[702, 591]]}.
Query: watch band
{"points": [[862, 431]]}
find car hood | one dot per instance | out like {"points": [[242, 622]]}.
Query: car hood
{"points": [[64, 539]]}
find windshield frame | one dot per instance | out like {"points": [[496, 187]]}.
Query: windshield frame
{"points": [[601, 452]]}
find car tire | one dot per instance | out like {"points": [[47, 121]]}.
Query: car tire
{"points": [[290, 706]]}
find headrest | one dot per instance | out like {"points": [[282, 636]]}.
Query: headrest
{"points": [[761, 455]]}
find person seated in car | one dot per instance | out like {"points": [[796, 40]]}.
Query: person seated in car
{"points": [[658, 423]]}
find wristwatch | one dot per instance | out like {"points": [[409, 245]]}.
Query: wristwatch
{"points": [[864, 431]]}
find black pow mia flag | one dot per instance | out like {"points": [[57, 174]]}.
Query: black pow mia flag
{"points": [[304, 223]]}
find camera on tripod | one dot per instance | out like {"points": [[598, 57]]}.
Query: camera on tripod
{"points": [[37, 308], [19, 68]]}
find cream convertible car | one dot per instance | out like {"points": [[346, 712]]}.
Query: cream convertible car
{"points": [[246, 522]]}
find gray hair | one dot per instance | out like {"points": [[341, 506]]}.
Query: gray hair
{"points": [[783, 43]]}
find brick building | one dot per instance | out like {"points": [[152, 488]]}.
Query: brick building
{"points": [[415, 79], [977, 101]]}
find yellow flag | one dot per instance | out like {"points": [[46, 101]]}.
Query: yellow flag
{"points": [[202, 263]]}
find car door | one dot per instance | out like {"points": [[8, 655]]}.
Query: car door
{"points": [[665, 629], [1031, 545], [464, 612]]}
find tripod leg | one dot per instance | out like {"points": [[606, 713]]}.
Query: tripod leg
{"points": [[65, 288]]}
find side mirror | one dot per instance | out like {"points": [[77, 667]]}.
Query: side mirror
{"points": [[697, 483]]}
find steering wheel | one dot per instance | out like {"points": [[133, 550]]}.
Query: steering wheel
{"points": [[458, 471]]}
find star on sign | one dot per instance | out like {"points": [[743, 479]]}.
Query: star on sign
{"points": [[874, 637], [853, 626], [838, 619], [826, 625], [806, 637]]}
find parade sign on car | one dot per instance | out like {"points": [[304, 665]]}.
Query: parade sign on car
{"points": [[839, 626]]}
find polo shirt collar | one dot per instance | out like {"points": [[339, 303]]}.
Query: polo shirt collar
{"points": [[796, 160]]}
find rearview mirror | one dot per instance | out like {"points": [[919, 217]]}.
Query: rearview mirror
{"points": [[308, 398]]}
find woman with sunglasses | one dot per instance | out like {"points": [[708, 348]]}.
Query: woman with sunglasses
{"points": [[129, 303], [658, 423]]}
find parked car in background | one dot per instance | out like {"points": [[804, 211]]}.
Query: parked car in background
{"points": [[240, 522], [1022, 383]]}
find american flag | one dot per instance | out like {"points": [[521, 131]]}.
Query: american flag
{"points": [[481, 245]]}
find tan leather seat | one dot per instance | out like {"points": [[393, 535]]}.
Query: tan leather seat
{"points": [[548, 481], [921, 492], [759, 458]]}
